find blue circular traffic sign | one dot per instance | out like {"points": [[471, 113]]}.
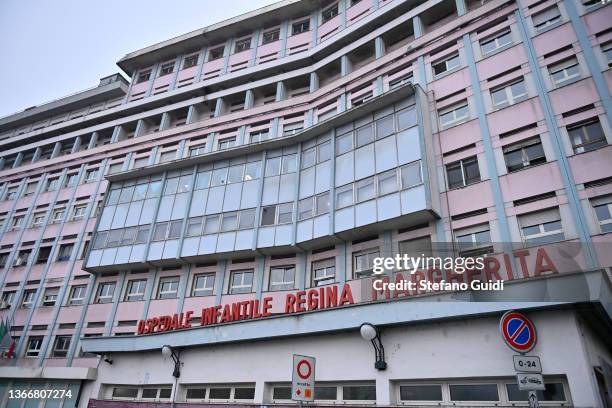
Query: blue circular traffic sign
{"points": [[518, 332]]}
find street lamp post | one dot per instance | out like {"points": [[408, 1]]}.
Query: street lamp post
{"points": [[371, 333], [168, 351]]}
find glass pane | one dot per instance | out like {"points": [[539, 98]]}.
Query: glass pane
{"points": [[121, 392], [308, 158], [247, 218], [602, 212], [344, 143], [289, 164], [171, 186], [474, 392], [472, 174], [305, 208], [359, 393], [324, 151], [267, 215], [149, 393], [365, 135], [421, 393], [235, 174], [365, 190], [553, 392], [202, 180], [326, 393], [229, 222], [273, 167], [194, 226], [140, 192], [344, 196], [455, 179], [244, 393], [387, 183], [154, 189], [281, 393], [384, 127], [160, 231], [219, 177], [406, 118], [126, 194], [411, 174], [196, 393], [253, 171], [219, 393], [211, 225], [165, 393]]}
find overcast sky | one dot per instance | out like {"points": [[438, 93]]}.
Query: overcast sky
{"points": [[52, 48]]}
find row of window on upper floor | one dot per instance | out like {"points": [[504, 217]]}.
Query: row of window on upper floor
{"points": [[298, 26]]}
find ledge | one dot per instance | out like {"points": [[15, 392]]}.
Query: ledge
{"points": [[56, 373]]}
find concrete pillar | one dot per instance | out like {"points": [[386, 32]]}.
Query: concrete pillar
{"points": [[56, 150], [280, 91]]}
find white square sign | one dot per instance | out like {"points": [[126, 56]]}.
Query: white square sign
{"points": [[303, 378]]}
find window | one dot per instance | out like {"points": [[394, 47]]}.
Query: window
{"points": [[454, 114], [50, 296], [300, 27], [292, 128], [156, 393], [259, 136], [242, 45], [247, 219], [491, 44], [91, 175], [203, 284], [135, 290], [125, 393], [552, 392], [415, 248], [58, 215], [17, 222], [106, 291], [509, 94], [166, 69], [358, 393], [474, 241], [61, 346], [323, 272], [28, 298], [364, 135], [385, 126], [387, 182], [446, 65], [78, 212], [71, 180], [190, 61], [285, 213], [329, 13], [168, 287], [77, 295], [282, 278], [603, 212], [463, 173], [421, 392], [30, 189], [218, 393], [564, 71], [363, 262], [241, 282], [11, 193], [22, 257], [344, 196], [606, 49], [227, 143], [541, 227], [410, 175], [143, 76], [34, 345], [7, 299], [197, 150], [229, 221], [43, 255], [473, 392], [64, 252], [52, 184], [344, 143], [211, 224], [194, 226], [216, 53], [167, 230], [365, 189], [524, 154], [587, 136], [270, 36], [546, 18]]}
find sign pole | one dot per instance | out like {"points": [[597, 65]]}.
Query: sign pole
{"points": [[533, 400]]}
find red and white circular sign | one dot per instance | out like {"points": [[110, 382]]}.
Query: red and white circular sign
{"points": [[304, 369]]}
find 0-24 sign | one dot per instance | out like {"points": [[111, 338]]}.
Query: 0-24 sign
{"points": [[527, 364]]}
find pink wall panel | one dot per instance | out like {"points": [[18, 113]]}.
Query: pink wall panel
{"points": [[187, 73], [470, 198], [328, 27], [98, 312], [268, 49], [459, 136], [36, 272], [512, 117], [554, 39], [451, 83], [240, 57], [573, 96], [214, 65], [358, 11], [129, 310], [159, 307], [598, 20], [69, 314], [592, 165], [42, 315], [58, 270], [297, 40], [198, 303], [140, 87], [520, 184], [500, 62]]}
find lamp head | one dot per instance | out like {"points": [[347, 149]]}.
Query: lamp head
{"points": [[166, 351], [368, 331]]}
